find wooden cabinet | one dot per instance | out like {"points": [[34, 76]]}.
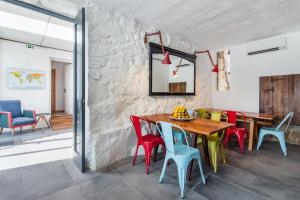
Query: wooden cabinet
{"points": [[179, 87], [280, 95]]}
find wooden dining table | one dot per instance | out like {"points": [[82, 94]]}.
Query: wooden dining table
{"points": [[252, 118], [197, 127]]}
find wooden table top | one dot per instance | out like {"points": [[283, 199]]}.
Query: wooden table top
{"points": [[261, 116], [197, 126]]}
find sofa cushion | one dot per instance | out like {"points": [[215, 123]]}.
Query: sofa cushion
{"points": [[22, 121], [13, 106]]}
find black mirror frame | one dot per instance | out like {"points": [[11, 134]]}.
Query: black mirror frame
{"points": [[156, 48]]}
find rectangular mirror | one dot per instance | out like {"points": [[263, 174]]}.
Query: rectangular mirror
{"points": [[177, 78]]}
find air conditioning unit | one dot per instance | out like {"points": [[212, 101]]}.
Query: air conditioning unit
{"points": [[266, 45]]}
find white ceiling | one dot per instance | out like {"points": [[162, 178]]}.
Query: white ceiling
{"points": [[213, 23], [27, 26]]}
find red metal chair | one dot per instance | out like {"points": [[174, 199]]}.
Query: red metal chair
{"points": [[148, 141], [240, 133]]}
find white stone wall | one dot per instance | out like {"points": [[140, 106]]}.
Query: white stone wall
{"points": [[118, 80], [118, 83]]}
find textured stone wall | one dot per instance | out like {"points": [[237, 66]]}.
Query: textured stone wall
{"points": [[118, 79], [118, 83]]}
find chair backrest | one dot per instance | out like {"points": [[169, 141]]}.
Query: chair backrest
{"points": [[288, 119], [201, 112], [231, 116], [216, 116], [167, 134], [13, 106], [136, 121]]}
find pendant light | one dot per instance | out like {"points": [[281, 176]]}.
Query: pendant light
{"points": [[167, 60], [215, 66], [175, 73]]}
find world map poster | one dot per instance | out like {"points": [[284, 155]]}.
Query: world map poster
{"points": [[26, 79]]}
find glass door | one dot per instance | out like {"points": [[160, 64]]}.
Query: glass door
{"points": [[79, 93]]}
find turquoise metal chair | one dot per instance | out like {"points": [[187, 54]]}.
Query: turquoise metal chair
{"points": [[180, 153], [277, 132]]}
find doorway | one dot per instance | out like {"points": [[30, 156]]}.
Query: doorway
{"points": [[40, 97], [62, 87]]}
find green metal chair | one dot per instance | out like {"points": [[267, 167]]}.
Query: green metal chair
{"points": [[215, 140], [202, 112]]}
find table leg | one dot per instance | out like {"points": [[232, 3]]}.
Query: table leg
{"points": [[156, 148], [205, 149], [37, 121], [190, 167], [251, 134], [47, 122]]}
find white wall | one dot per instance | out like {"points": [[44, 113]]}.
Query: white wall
{"points": [[246, 70], [185, 74], [160, 76], [68, 72], [59, 84], [119, 83], [16, 55]]}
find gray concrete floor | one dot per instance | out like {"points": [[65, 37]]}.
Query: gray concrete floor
{"points": [[34, 147], [258, 175]]}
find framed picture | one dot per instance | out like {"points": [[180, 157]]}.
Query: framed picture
{"points": [[26, 79]]}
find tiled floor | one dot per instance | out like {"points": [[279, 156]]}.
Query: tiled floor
{"points": [[258, 175], [35, 147]]}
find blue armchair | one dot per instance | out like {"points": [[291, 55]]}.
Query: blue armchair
{"points": [[11, 115]]}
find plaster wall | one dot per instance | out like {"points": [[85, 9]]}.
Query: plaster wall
{"points": [[245, 72]]}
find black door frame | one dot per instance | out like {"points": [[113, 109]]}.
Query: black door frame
{"points": [[73, 21]]}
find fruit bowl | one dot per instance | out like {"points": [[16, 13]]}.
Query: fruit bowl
{"points": [[182, 119], [180, 113]]}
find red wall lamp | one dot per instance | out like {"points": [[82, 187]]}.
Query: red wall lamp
{"points": [[215, 66], [166, 60]]}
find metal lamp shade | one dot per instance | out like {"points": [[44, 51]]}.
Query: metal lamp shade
{"points": [[167, 60]]}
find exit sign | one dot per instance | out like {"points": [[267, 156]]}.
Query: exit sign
{"points": [[29, 46]]}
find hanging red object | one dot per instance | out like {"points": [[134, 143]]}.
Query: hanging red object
{"points": [[215, 69], [215, 66], [174, 74], [167, 60]]}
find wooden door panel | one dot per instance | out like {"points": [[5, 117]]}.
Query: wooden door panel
{"points": [[296, 102], [280, 95], [265, 95]]}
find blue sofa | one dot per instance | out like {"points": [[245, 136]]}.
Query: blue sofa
{"points": [[11, 115]]}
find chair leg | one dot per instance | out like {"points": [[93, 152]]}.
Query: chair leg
{"points": [[241, 141], [260, 140], [12, 131], [201, 171], [163, 172], [1, 129], [148, 150], [21, 130], [148, 160], [282, 144], [222, 153], [181, 177], [214, 154], [135, 155]]}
